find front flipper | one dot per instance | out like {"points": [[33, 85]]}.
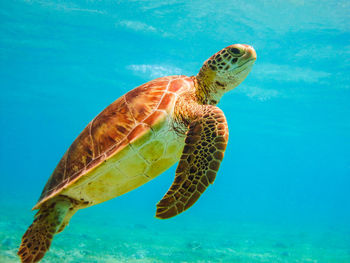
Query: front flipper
{"points": [[205, 144]]}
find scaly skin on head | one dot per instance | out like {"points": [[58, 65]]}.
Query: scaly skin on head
{"points": [[219, 74], [223, 71]]}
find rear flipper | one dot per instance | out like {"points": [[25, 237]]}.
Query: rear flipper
{"points": [[52, 217]]}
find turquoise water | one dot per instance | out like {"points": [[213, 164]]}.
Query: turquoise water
{"points": [[282, 192]]}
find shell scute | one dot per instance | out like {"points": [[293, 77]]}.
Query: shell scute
{"points": [[106, 128], [166, 101], [140, 106], [176, 85]]}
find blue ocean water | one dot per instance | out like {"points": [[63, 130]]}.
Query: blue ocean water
{"points": [[282, 192]]}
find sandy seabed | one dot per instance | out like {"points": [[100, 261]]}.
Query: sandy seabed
{"points": [[108, 236]]}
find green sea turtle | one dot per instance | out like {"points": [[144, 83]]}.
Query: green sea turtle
{"points": [[137, 138]]}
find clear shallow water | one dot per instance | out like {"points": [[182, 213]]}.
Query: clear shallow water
{"points": [[282, 193], [103, 235]]}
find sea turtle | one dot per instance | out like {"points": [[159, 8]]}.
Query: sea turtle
{"points": [[137, 138]]}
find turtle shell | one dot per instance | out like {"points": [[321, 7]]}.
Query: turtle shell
{"points": [[120, 124]]}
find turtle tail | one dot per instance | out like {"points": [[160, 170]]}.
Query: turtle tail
{"points": [[51, 219]]}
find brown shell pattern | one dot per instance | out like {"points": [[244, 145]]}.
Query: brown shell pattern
{"points": [[118, 125]]}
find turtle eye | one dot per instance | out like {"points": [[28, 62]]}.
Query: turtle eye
{"points": [[236, 51]]}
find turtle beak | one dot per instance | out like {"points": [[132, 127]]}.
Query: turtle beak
{"points": [[250, 53]]}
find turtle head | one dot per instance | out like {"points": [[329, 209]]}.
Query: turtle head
{"points": [[224, 71]]}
